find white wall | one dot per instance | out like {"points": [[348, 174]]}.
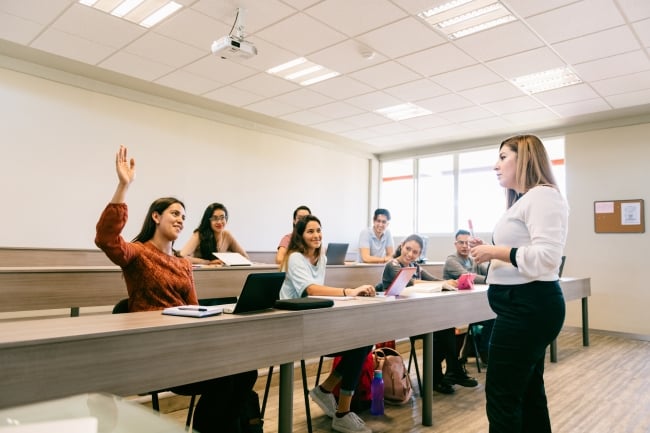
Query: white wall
{"points": [[58, 148]]}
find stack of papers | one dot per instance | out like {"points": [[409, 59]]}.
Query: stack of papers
{"points": [[194, 310]]}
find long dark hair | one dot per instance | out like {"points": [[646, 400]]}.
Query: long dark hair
{"points": [[297, 243], [416, 238], [149, 226], [207, 241]]}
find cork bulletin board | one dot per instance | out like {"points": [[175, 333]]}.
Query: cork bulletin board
{"points": [[619, 216]]}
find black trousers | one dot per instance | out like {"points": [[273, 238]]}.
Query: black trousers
{"points": [[529, 318], [222, 401]]}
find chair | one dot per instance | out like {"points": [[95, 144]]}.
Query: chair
{"points": [[305, 391], [123, 307]]}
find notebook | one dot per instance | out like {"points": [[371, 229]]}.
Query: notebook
{"points": [[259, 293], [336, 253], [232, 259], [193, 310]]}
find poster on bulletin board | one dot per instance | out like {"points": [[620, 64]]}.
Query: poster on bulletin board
{"points": [[619, 216]]}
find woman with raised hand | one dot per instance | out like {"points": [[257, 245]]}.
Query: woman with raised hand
{"points": [[524, 291], [156, 278]]}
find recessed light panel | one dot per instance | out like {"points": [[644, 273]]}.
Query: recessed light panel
{"points": [[303, 72], [403, 111], [146, 13], [547, 80]]}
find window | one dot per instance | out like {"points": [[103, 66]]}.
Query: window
{"points": [[451, 189]]}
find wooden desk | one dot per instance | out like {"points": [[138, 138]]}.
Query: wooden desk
{"points": [[50, 358], [42, 288]]}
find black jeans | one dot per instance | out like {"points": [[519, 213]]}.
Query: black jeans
{"points": [[350, 366], [222, 401], [529, 318]]}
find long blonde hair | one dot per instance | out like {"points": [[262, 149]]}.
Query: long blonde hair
{"points": [[533, 165]]}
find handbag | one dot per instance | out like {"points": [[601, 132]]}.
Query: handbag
{"points": [[397, 383]]}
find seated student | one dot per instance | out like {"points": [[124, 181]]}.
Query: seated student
{"points": [[305, 267], [157, 278], [459, 264], [376, 242], [211, 236], [406, 255], [300, 212]]}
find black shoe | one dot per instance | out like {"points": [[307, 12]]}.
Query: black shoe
{"points": [[443, 388], [461, 379]]}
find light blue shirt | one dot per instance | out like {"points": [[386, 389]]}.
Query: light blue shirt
{"points": [[301, 274], [377, 246]]}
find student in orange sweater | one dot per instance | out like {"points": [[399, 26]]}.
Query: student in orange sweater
{"points": [[157, 278]]}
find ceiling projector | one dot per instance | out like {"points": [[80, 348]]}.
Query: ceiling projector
{"points": [[228, 46]]}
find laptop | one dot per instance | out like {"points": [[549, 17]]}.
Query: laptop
{"points": [[336, 253], [259, 293], [400, 281], [232, 259]]}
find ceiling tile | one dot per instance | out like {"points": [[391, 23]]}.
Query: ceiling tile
{"points": [[499, 41], [72, 46], [268, 55], [537, 60], [360, 134], [489, 125], [135, 66], [335, 126], [390, 128], [233, 96], [425, 122], [425, 63], [577, 19], [526, 8], [385, 75], [271, 108], [36, 11], [219, 70], [266, 85], [582, 107], [624, 84], [367, 119], [373, 101], [256, 14], [444, 103], [531, 118], [187, 82], [467, 78], [337, 110], [164, 50], [631, 99], [356, 17], [642, 28], [301, 4], [466, 114], [578, 92], [491, 92], [304, 98], [513, 105], [634, 61], [412, 35], [345, 57], [598, 45], [301, 34], [416, 90], [204, 29], [635, 10], [304, 117], [17, 29], [341, 87], [97, 26]]}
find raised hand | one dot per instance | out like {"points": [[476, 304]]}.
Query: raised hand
{"points": [[125, 168]]}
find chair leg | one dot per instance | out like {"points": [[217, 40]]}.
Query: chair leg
{"points": [[318, 372], [155, 404], [266, 391], [305, 391], [472, 334], [413, 356], [190, 412]]}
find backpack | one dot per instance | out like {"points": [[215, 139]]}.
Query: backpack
{"points": [[397, 383]]}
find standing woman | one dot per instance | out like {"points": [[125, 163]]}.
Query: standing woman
{"points": [[156, 278], [211, 236], [524, 290], [304, 265]]}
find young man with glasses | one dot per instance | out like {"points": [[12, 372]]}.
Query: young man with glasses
{"points": [[376, 243]]}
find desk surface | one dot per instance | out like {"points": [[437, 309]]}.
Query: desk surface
{"points": [[50, 358]]}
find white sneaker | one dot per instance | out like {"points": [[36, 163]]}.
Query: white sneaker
{"points": [[325, 401], [350, 423]]}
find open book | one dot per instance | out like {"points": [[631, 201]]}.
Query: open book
{"points": [[194, 310]]}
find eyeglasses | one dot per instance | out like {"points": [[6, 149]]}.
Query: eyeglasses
{"points": [[216, 219], [379, 221], [462, 242]]}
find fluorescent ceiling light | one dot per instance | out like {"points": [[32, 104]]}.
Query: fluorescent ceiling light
{"points": [[460, 18], [403, 111], [546, 80], [146, 13], [303, 69]]}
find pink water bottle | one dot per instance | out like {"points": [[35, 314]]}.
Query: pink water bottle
{"points": [[377, 394]]}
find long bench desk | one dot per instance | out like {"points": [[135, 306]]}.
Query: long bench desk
{"points": [[38, 288], [50, 358]]}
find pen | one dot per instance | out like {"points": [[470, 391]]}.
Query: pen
{"points": [[193, 308]]}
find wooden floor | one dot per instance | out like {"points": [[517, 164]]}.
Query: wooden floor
{"points": [[604, 388]]}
